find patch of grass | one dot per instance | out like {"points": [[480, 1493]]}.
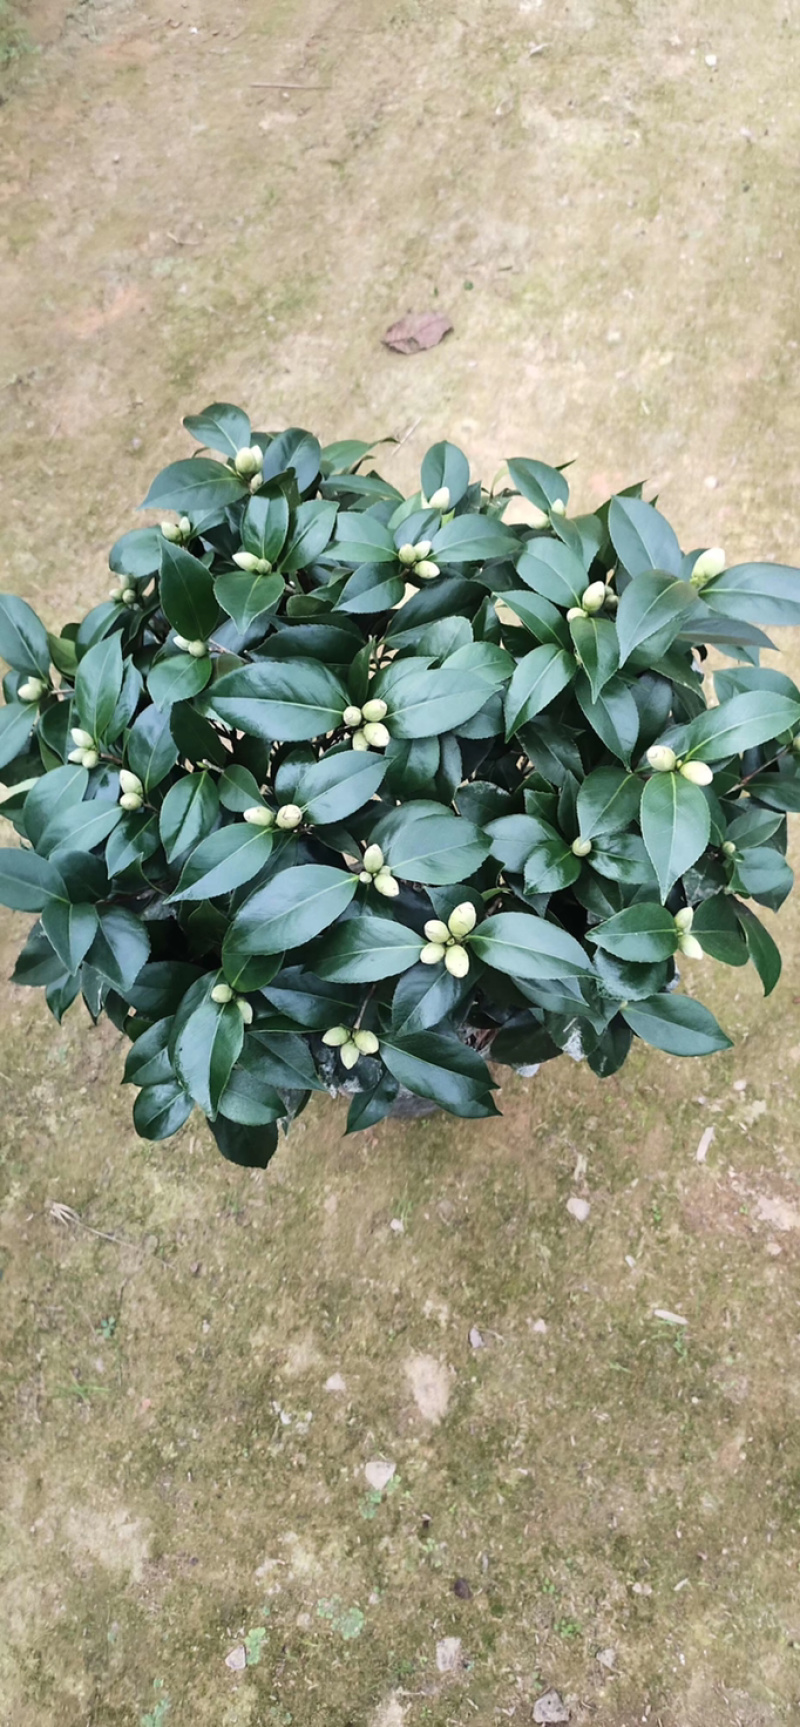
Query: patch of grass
{"points": [[15, 41]]}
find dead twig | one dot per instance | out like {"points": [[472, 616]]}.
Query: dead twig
{"points": [[284, 85], [65, 1214]]}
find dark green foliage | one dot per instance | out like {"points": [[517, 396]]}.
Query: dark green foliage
{"points": [[341, 783]]}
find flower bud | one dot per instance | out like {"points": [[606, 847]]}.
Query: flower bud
{"points": [[359, 741], [593, 597], [385, 883], [576, 612], [171, 532], [690, 945], [684, 918], [433, 952], [245, 1009], [335, 1036], [662, 759], [131, 801], [364, 875], [256, 482], [462, 920], [440, 499], [366, 1042], [539, 518], [247, 561], [558, 508], [456, 960], [422, 548], [90, 758], [248, 461], [197, 649], [79, 736], [710, 563], [31, 690], [427, 570], [352, 716], [407, 554], [374, 709], [729, 848], [130, 782], [796, 745], [373, 859], [376, 735], [581, 848], [436, 931], [259, 817], [185, 526], [181, 642], [76, 756], [222, 993], [612, 600], [289, 816], [128, 596], [697, 773], [349, 1054]]}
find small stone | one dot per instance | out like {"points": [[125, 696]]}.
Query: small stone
{"points": [[379, 1473], [579, 1209], [462, 1589], [335, 1383], [398, 1226], [550, 1707], [449, 1658], [237, 1659], [540, 1327], [607, 1658], [475, 1338], [711, 60]]}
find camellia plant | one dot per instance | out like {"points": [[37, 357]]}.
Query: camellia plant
{"points": [[343, 789]]}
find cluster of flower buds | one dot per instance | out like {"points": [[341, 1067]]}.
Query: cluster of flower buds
{"points": [[366, 724], [443, 940], [85, 751], [687, 942], [593, 599], [663, 760], [438, 500], [31, 690], [222, 994], [125, 593], [251, 564], [177, 532], [248, 463], [710, 563], [417, 558], [132, 790], [375, 872], [198, 649], [350, 1043]]}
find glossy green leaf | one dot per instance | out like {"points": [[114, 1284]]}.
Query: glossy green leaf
{"points": [[642, 538], [70, 929], [742, 723], [522, 945], [614, 716], [177, 677], [471, 539], [312, 527], [365, 949], [443, 1069], [289, 910], [370, 589], [362, 539], [608, 801], [151, 749], [644, 932], [223, 861], [56, 791], [221, 427], [23, 638], [423, 842], [756, 593], [553, 570], [187, 593], [148, 1061], [161, 1110], [597, 648], [676, 1024], [540, 484], [246, 596], [427, 703], [718, 930], [676, 826], [197, 488], [204, 1049], [340, 783], [188, 814], [248, 1097], [80, 827], [98, 683], [761, 948], [295, 449], [16, 725], [652, 606], [250, 1147], [539, 616], [290, 700], [539, 677], [445, 465], [120, 948], [28, 882], [137, 553]]}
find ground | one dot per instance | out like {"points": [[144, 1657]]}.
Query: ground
{"points": [[201, 1362]]}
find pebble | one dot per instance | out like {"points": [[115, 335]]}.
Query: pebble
{"points": [[379, 1473], [449, 1658], [579, 1209]]}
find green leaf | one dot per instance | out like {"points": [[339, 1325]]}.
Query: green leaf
{"points": [[370, 589], [551, 865], [23, 639], [70, 929], [426, 703], [286, 1060], [522, 945], [57, 790], [362, 539], [80, 827], [423, 842], [188, 599], [442, 1069], [761, 948], [718, 930], [289, 910], [623, 858], [642, 538], [514, 837], [365, 949], [161, 1110], [293, 449], [250, 1147], [630, 980], [246, 595], [608, 800], [540, 484], [367, 1108], [676, 826], [249, 1098], [120, 948], [676, 1024], [614, 716], [265, 525], [221, 427], [16, 725], [98, 683], [762, 874], [426, 996], [132, 841], [472, 539], [28, 882], [197, 488], [177, 677], [312, 526], [224, 860], [290, 700], [538, 679], [597, 648], [151, 748], [187, 814], [740, 724], [652, 605], [766, 593], [539, 616], [339, 784], [203, 1051], [137, 553], [554, 570], [445, 465], [148, 1061], [645, 932]]}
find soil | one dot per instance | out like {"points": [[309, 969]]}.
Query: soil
{"points": [[592, 1418]]}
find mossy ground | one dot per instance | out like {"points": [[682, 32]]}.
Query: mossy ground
{"points": [[607, 223]]}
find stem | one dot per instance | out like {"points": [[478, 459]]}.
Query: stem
{"points": [[740, 784]]}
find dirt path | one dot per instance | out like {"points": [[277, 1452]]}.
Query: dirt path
{"points": [[601, 196]]}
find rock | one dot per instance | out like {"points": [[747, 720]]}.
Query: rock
{"points": [[475, 1338], [430, 1384], [237, 1659], [335, 1383], [397, 1225], [449, 1658], [550, 1708], [462, 1589], [379, 1474], [416, 331], [540, 1327], [607, 1658], [579, 1209]]}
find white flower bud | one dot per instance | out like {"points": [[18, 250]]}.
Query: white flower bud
{"points": [[181, 642], [185, 526], [427, 570], [690, 945], [245, 1009], [539, 518], [256, 482], [359, 741], [131, 801], [289, 816], [462, 920], [407, 554], [31, 690], [79, 736], [364, 875], [581, 848], [335, 1036], [171, 532], [697, 773], [222, 993], [352, 716], [373, 859], [130, 782], [593, 597], [197, 649], [710, 563], [796, 745], [90, 758], [576, 612], [128, 596], [76, 756], [385, 884], [259, 817], [456, 960], [248, 461], [433, 952], [422, 548], [684, 918], [440, 499], [366, 1042], [247, 561], [376, 735], [662, 759], [349, 1054], [729, 848], [374, 710], [436, 931]]}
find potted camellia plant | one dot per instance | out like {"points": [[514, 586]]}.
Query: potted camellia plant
{"points": [[347, 789]]}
